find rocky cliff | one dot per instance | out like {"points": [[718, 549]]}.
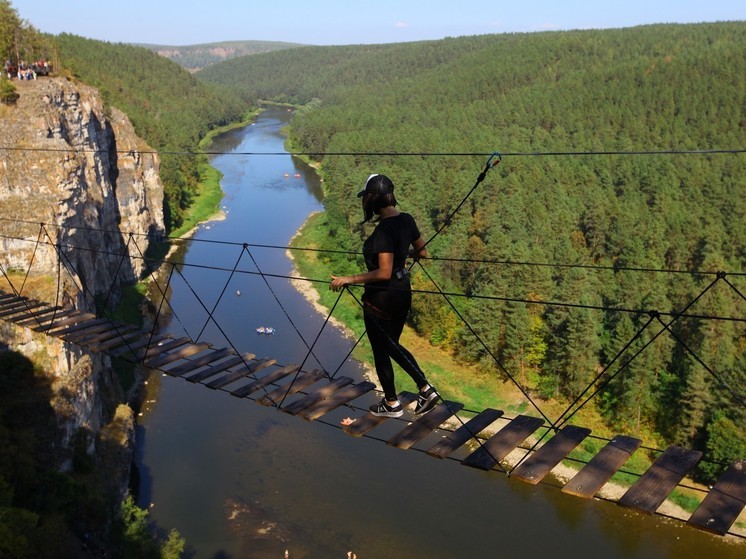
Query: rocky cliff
{"points": [[75, 177], [68, 161]]}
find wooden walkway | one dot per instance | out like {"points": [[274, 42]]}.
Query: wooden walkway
{"points": [[311, 396]]}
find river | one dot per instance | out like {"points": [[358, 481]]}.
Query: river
{"points": [[242, 481]]}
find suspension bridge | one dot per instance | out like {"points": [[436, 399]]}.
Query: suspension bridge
{"points": [[526, 447]]}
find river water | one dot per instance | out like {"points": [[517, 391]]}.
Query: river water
{"points": [[239, 480]]}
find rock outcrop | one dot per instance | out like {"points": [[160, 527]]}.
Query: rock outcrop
{"points": [[78, 167], [75, 177]]}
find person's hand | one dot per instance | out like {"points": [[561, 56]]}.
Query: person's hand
{"points": [[338, 282], [415, 254]]}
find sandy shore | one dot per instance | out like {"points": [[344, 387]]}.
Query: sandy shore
{"points": [[308, 290], [310, 294], [219, 216]]}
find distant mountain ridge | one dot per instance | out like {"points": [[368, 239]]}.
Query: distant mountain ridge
{"points": [[197, 57]]}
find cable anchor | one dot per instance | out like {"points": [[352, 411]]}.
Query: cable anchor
{"points": [[489, 165]]}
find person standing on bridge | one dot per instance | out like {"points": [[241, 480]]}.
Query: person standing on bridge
{"points": [[388, 294]]}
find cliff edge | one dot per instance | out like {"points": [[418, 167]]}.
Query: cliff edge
{"points": [[73, 173]]}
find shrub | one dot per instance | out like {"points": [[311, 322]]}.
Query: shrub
{"points": [[8, 93]]}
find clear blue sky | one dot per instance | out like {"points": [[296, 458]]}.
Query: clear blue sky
{"points": [[340, 22]]}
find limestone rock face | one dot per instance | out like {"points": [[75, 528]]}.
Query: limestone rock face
{"points": [[80, 192], [78, 168]]}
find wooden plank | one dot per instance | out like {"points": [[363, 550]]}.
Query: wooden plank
{"points": [[367, 422], [12, 301], [163, 347], [535, 468], [6, 294], [80, 325], [340, 397], [322, 392], [424, 425], [120, 340], [193, 364], [602, 466], [115, 331], [275, 375], [109, 331], [217, 368], [20, 307], [15, 301], [662, 477], [466, 432], [183, 351], [724, 503], [80, 337], [145, 341], [502, 443], [303, 380], [118, 336], [36, 317], [242, 373], [39, 322], [58, 325], [84, 329]]}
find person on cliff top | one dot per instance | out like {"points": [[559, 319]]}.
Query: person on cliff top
{"points": [[388, 295]]}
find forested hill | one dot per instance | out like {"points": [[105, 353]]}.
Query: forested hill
{"points": [[168, 107], [588, 220], [197, 57]]}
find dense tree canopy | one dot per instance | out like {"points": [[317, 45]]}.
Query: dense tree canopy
{"points": [[581, 213], [19, 40]]}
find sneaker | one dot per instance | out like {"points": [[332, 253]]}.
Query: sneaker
{"points": [[382, 409], [426, 400]]}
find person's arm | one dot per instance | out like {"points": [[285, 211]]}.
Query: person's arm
{"points": [[418, 249], [382, 273]]}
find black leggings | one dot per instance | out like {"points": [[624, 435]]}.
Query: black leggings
{"points": [[384, 329]]}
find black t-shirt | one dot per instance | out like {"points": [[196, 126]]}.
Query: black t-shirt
{"points": [[394, 234]]}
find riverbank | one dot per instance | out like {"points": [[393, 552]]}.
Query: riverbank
{"points": [[563, 473], [307, 265], [206, 205], [200, 448], [309, 292]]}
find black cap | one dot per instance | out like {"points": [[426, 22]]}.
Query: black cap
{"points": [[377, 184]]}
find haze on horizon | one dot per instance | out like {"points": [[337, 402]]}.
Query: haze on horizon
{"points": [[338, 22]]}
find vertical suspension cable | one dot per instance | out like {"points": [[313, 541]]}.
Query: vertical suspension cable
{"points": [[284, 310], [220, 297], [33, 256], [722, 383], [7, 278], [151, 334], [484, 345], [124, 255], [489, 165], [326, 321], [161, 291], [653, 316]]}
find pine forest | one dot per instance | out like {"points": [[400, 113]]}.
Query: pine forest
{"points": [[606, 250], [619, 203]]}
